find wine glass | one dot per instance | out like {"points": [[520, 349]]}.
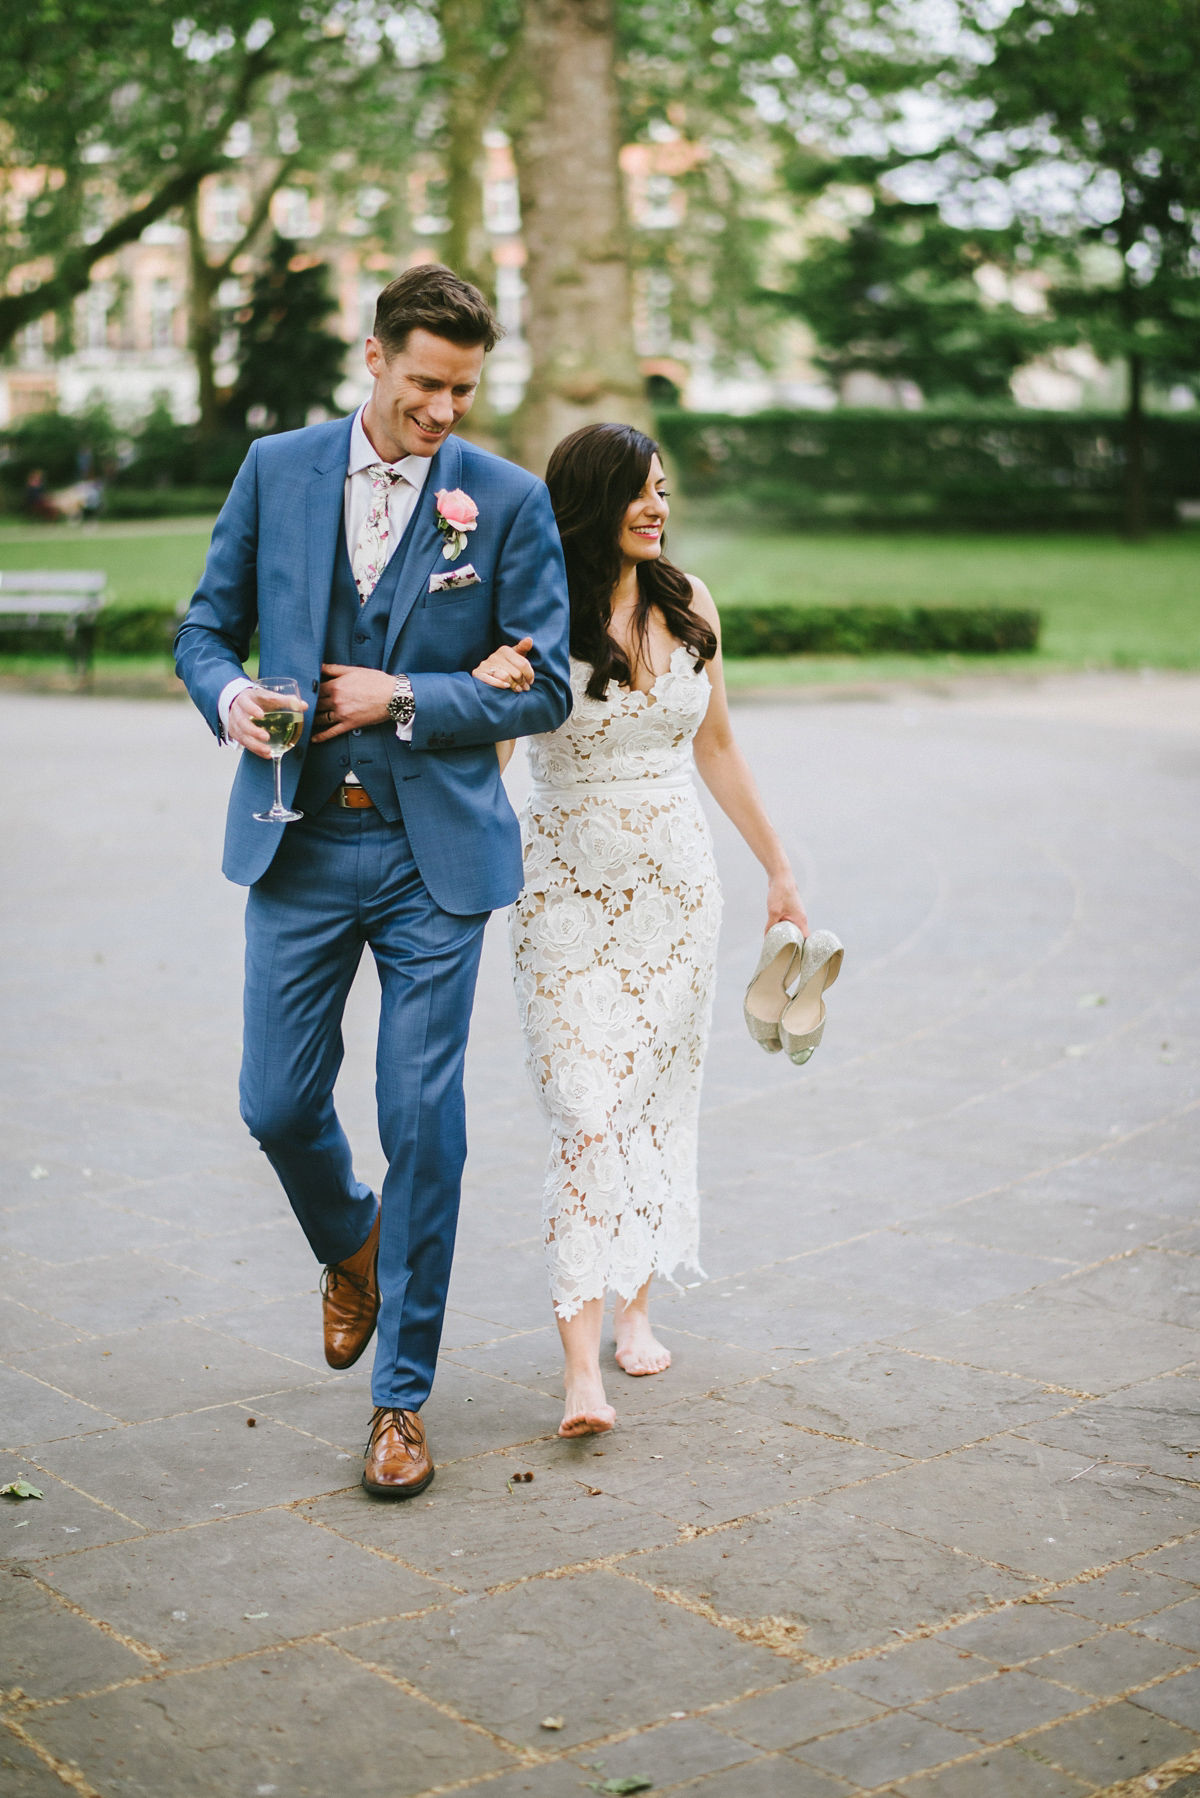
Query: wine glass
{"points": [[283, 720]]}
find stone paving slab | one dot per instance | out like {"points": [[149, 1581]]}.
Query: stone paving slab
{"points": [[266, 1721], [916, 1508], [1001, 1773], [1180, 1626]]}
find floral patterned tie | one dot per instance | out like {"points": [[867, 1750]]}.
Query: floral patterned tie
{"points": [[370, 552]]}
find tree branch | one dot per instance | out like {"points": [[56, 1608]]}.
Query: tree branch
{"points": [[73, 272]]}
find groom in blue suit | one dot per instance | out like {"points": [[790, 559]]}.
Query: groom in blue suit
{"points": [[414, 587]]}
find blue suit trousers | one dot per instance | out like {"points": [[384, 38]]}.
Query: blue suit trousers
{"points": [[341, 880]]}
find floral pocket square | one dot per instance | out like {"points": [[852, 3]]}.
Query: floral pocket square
{"points": [[455, 577]]}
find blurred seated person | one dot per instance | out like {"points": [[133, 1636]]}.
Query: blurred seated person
{"points": [[37, 502]]}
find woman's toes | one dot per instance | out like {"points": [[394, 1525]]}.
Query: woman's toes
{"points": [[593, 1422], [646, 1358]]}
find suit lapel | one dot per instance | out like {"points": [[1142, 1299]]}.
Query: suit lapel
{"points": [[424, 544], [324, 512]]}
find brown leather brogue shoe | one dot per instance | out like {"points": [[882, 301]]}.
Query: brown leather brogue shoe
{"points": [[350, 1302], [397, 1457]]}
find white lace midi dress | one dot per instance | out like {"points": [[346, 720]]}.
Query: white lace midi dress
{"points": [[614, 950]]}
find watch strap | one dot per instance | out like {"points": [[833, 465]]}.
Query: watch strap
{"points": [[402, 705]]}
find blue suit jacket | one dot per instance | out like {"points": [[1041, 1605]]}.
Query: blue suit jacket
{"points": [[270, 567]]}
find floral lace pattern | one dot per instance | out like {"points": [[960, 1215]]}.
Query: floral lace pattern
{"points": [[614, 948]]}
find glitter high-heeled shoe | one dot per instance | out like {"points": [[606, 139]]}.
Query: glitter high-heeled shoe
{"points": [[766, 995], [803, 1020]]}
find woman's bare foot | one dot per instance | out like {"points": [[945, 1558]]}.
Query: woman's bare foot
{"points": [[638, 1349], [588, 1412]]}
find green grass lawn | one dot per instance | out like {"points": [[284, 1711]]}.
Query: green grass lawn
{"points": [[158, 561], [1105, 603]]}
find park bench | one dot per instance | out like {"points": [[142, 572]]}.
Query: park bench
{"points": [[68, 602]]}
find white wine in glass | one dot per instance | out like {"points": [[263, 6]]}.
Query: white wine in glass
{"points": [[283, 720]]}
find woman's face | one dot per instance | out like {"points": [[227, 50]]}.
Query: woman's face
{"points": [[642, 526]]}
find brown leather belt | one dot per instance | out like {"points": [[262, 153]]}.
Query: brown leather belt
{"points": [[353, 799]]}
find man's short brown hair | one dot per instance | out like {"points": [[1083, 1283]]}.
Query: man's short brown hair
{"points": [[433, 298]]}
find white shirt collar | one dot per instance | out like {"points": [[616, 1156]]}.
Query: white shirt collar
{"points": [[363, 455]]}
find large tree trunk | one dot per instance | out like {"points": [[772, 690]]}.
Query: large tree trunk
{"points": [[477, 79], [202, 332], [1135, 453], [580, 326], [473, 78]]}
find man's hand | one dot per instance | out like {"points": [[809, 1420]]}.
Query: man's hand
{"points": [[241, 726], [350, 699], [507, 667]]}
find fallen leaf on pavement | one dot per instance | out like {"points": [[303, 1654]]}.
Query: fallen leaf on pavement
{"points": [[19, 1489], [552, 1723], [633, 1782]]}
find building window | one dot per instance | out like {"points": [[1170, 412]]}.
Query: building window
{"points": [[98, 303], [510, 295], [501, 207], [32, 341], [368, 294], [162, 314], [652, 293], [294, 213], [224, 214]]}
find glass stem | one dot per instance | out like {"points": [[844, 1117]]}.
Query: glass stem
{"points": [[277, 764]]}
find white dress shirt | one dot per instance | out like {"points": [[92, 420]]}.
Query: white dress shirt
{"points": [[402, 500]]}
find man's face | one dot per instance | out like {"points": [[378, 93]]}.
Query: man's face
{"points": [[420, 394]]}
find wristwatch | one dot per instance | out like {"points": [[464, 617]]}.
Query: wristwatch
{"points": [[402, 706]]}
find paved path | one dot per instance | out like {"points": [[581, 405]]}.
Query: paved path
{"points": [[916, 1510]]}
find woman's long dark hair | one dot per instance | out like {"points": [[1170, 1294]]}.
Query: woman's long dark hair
{"points": [[594, 476]]}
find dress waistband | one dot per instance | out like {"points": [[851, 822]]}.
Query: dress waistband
{"points": [[650, 786]]}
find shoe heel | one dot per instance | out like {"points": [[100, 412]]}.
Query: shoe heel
{"points": [[802, 1024], [767, 994]]}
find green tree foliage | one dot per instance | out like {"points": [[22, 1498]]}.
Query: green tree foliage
{"points": [[64, 448], [290, 361], [114, 111], [897, 295], [1107, 94], [733, 76], [736, 76], [472, 82]]}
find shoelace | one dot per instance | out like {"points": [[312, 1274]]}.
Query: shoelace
{"points": [[332, 1275], [402, 1421]]}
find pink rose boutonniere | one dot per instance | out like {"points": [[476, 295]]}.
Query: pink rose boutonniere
{"points": [[457, 514]]}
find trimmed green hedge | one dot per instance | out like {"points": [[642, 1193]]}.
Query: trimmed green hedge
{"points": [[746, 630], [162, 502], [120, 631], [876, 630], [980, 471]]}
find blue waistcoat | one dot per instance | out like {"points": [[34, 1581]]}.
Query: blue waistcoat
{"points": [[273, 566], [354, 638]]}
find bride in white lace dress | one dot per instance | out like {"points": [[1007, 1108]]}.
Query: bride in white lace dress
{"points": [[614, 936]]}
